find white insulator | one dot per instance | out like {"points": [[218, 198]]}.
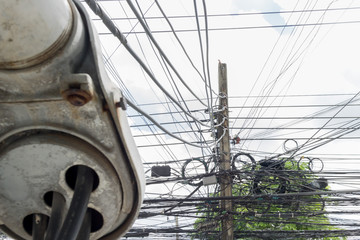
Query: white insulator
{"points": [[32, 31]]}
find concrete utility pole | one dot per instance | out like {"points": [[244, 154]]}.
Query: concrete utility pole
{"points": [[177, 226], [227, 231]]}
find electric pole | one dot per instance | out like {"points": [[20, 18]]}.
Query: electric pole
{"points": [[177, 226], [227, 231]]}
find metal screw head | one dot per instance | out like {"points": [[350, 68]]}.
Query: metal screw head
{"points": [[76, 97], [76, 100], [122, 104]]}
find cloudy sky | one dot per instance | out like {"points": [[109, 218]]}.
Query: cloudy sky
{"points": [[263, 57], [293, 72]]}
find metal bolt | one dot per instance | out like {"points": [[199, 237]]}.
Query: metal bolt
{"points": [[122, 104], [77, 97]]}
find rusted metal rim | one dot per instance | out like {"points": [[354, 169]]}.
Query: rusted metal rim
{"points": [[77, 97]]}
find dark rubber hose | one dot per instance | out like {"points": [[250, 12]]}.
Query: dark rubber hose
{"points": [[39, 226], [85, 229], [57, 215], [78, 206]]}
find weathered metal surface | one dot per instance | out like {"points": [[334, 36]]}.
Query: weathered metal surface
{"points": [[44, 131], [78, 90], [36, 164], [44, 81], [32, 31], [112, 95]]}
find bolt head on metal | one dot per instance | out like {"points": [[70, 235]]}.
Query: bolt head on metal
{"points": [[122, 104], [77, 97]]}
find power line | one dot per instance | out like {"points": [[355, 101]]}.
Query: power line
{"points": [[178, 40], [262, 234], [117, 33], [162, 53], [298, 106], [295, 194], [181, 99], [169, 133], [263, 139], [261, 96], [116, 76], [246, 128], [242, 28], [340, 132], [271, 106], [342, 107], [286, 65], [232, 14]]}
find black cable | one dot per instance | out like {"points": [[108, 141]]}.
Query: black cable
{"points": [[167, 149], [56, 218], [175, 161], [174, 86], [342, 107], [129, 95], [263, 233], [173, 112], [116, 32], [244, 28], [309, 144], [85, 229], [202, 53], [132, 28], [39, 225], [162, 53], [78, 206], [313, 116], [296, 194], [179, 41], [288, 214], [231, 14], [253, 128], [309, 117], [266, 139], [298, 106], [284, 68], [201, 145], [262, 96]]}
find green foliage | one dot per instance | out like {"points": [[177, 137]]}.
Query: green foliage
{"points": [[272, 199], [3, 236]]}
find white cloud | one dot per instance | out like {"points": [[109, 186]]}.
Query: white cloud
{"points": [[261, 6]]}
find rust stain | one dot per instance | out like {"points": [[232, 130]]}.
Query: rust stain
{"points": [[77, 97]]}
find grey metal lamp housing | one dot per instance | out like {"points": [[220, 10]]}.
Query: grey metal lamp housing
{"points": [[60, 111]]}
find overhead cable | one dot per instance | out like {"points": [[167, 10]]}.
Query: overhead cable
{"points": [[117, 33], [162, 53], [237, 14], [342, 107], [172, 83], [169, 133], [245, 27], [178, 39], [261, 96]]}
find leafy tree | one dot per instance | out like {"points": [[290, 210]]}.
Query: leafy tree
{"points": [[274, 195], [2, 236]]}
